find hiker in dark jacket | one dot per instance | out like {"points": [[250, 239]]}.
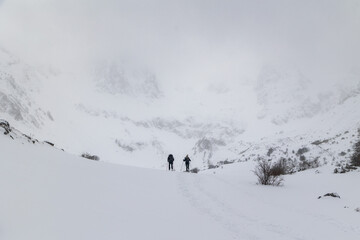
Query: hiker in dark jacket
{"points": [[171, 162], [187, 162]]}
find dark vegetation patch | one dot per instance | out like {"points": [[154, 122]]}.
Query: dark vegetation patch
{"points": [[308, 164], [318, 142], [6, 126], [226, 162], [355, 158], [342, 154], [344, 169], [302, 151], [270, 151], [50, 143], [195, 170], [89, 156], [212, 166], [334, 195]]}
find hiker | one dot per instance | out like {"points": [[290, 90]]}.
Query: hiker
{"points": [[171, 162], [187, 162]]}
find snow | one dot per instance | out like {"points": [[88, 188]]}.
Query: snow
{"points": [[49, 194], [219, 99], [281, 107]]}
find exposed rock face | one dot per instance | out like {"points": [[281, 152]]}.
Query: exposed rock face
{"points": [[6, 126], [17, 135], [17, 84]]}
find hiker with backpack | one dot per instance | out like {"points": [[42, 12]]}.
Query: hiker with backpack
{"points": [[187, 161], [171, 162]]}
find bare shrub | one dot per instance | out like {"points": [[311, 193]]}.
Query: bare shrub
{"points": [[268, 174], [195, 170], [279, 168]]}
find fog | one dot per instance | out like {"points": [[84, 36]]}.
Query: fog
{"points": [[212, 61], [191, 42]]}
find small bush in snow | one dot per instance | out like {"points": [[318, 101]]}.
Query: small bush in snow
{"points": [[91, 157], [212, 166], [344, 169], [268, 174], [342, 154], [194, 170], [279, 168]]}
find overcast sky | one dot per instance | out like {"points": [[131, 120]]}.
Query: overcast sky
{"points": [[186, 40]]}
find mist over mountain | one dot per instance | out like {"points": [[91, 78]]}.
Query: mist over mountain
{"points": [[132, 82]]}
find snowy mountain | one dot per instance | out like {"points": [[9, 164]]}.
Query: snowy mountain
{"points": [[19, 85], [123, 116], [286, 94], [120, 78], [263, 96]]}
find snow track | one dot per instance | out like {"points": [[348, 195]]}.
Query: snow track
{"points": [[223, 212], [208, 204]]}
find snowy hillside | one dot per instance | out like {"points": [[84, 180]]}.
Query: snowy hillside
{"points": [[286, 94], [132, 121], [49, 194]]}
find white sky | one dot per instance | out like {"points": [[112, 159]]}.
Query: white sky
{"points": [[192, 41]]}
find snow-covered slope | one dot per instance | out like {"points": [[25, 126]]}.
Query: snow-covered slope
{"points": [[49, 194]]}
